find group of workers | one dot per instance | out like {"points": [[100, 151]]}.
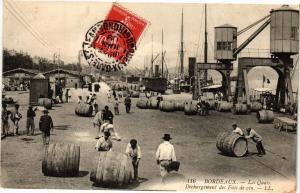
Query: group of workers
{"points": [[45, 122]]}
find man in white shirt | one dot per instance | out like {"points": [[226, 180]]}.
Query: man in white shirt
{"points": [[237, 130], [165, 153], [133, 150], [252, 134]]}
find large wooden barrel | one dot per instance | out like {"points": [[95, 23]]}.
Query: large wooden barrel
{"points": [[224, 106], [190, 108], [61, 160], [45, 102], [153, 104], [255, 106], [232, 144], [84, 110], [166, 106], [239, 109], [142, 104], [265, 116], [179, 106], [113, 170]]}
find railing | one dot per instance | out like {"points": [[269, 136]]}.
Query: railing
{"points": [[255, 53]]}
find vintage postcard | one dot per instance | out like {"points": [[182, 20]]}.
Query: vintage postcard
{"points": [[197, 97]]}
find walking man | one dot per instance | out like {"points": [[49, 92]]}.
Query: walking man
{"points": [[127, 103], [4, 116], [15, 117], [237, 130], [133, 150], [30, 120], [252, 134], [165, 153], [107, 115], [46, 125], [104, 143]]}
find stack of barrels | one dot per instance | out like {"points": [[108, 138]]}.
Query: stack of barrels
{"points": [[265, 116], [84, 110], [232, 144], [45, 102], [61, 160], [113, 170]]}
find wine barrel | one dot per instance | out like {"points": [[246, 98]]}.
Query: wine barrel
{"points": [[166, 106], [84, 110], [255, 106], [61, 160], [224, 106], [179, 106], [190, 108], [142, 104], [153, 104], [45, 102], [265, 116], [113, 170], [232, 144], [239, 108]]}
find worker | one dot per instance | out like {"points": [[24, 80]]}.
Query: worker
{"points": [[108, 96], [104, 143], [127, 102], [109, 127], [67, 95], [30, 120], [165, 152], [133, 150], [237, 130], [46, 124], [173, 177], [79, 100], [4, 116], [107, 115], [116, 106], [252, 134], [159, 98], [97, 122], [15, 117], [148, 95]]}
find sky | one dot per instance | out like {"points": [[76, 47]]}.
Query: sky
{"points": [[63, 26]]}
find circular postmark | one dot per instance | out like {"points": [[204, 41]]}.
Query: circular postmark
{"points": [[108, 45]]}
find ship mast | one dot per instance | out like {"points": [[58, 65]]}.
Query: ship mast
{"points": [[181, 47], [151, 70], [162, 53], [205, 46]]}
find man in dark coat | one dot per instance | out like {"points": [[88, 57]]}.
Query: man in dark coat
{"points": [[46, 125], [107, 115], [30, 120], [127, 103]]}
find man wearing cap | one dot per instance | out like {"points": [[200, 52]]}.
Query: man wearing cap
{"points": [[30, 120], [107, 115], [165, 152], [46, 125], [104, 143], [252, 134], [237, 130]]}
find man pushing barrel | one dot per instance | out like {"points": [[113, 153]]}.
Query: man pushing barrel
{"points": [[252, 134]]}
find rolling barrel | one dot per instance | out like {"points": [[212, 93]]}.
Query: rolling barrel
{"points": [[61, 160], [45, 102], [142, 104], [232, 144], [265, 116], [153, 104], [113, 170], [166, 106], [84, 110], [190, 108], [256, 106], [224, 106], [239, 109]]}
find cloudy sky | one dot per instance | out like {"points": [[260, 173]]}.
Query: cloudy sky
{"points": [[62, 26]]}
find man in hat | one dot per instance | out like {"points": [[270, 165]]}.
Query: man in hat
{"points": [[237, 130], [104, 143], [165, 152], [30, 120], [15, 117], [46, 125], [252, 134], [107, 115]]}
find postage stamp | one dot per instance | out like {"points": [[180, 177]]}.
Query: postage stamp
{"points": [[110, 44]]}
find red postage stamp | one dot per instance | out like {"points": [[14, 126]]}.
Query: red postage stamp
{"points": [[110, 44]]}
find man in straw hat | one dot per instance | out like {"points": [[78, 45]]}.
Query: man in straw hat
{"points": [[165, 153], [46, 125]]}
